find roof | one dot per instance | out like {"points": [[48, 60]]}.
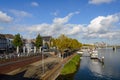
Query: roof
{"points": [[6, 36], [46, 38], [2, 36], [9, 36]]}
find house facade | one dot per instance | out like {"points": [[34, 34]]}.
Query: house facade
{"points": [[5, 43], [46, 40]]}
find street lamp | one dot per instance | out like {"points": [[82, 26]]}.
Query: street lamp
{"points": [[42, 61]]}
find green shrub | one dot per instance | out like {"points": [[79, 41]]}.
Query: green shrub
{"points": [[71, 66]]}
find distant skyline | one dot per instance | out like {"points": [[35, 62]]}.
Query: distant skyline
{"points": [[88, 21]]}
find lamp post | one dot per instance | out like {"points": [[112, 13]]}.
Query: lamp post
{"points": [[42, 61]]}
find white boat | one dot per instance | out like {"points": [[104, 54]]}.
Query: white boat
{"points": [[79, 52], [94, 55]]}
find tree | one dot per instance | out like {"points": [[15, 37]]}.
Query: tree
{"points": [[17, 41], [63, 42], [38, 41]]}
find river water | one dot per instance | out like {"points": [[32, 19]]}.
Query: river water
{"points": [[94, 70]]}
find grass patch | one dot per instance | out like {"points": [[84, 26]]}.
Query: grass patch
{"points": [[71, 66]]}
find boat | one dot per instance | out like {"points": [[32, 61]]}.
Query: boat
{"points": [[94, 55], [101, 59], [79, 52]]}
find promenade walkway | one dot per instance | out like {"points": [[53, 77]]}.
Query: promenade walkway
{"points": [[10, 66], [47, 69], [54, 73]]}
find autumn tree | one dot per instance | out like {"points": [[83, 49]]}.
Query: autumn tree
{"points": [[63, 42]]}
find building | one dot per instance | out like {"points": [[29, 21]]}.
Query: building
{"points": [[46, 40], [29, 44], [5, 43], [100, 44]]}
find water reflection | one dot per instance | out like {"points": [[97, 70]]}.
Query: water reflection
{"points": [[94, 70], [96, 67]]}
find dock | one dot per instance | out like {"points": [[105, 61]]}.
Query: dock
{"points": [[100, 59], [94, 55]]}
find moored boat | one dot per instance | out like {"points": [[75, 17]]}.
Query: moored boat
{"points": [[94, 55]]}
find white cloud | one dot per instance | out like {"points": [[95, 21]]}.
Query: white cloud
{"points": [[65, 19], [111, 35], [34, 4], [103, 24], [100, 1], [99, 27], [20, 13], [103, 27], [62, 20], [76, 29], [5, 18], [55, 29], [59, 26], [108, 35], [39, 28]]}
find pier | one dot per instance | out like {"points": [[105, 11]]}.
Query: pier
{"points": [[94, 55]]}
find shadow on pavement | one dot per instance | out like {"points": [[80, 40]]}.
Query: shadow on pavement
{"points": [[15, 77]]}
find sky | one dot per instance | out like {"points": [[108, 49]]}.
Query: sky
{"points": [[88, 21]]}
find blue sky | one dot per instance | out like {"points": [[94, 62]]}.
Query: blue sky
{"points": [[88, 21]]}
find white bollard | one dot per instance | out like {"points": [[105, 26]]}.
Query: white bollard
{"points": [[40, 49], [17, 49], [23, 49], [28, 50], [34, 49]]}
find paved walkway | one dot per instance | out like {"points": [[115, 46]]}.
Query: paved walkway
{"points": [[52, 67], [52, 74], [13, 62], [10, 66], [41, 67], [36, 68]]}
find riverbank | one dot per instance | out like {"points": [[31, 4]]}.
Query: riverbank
{"points": [[69, 69]]}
